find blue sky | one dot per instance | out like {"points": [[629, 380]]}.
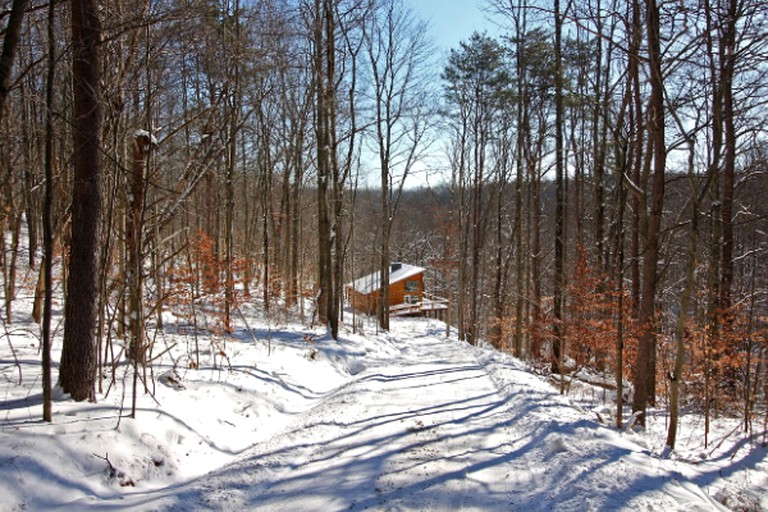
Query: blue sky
{"points": [[452, 21]]}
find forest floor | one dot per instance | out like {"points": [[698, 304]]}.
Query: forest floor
{"points": [[278, 416]]}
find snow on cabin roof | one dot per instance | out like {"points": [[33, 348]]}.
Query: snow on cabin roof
{"points": [[398, 272], [145, 133]]}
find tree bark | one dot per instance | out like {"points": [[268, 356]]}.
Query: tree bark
{"points": [[10, 42], [682, 320], [645, 375], [77, 374], [47, 264], [141, 146], [324, 70], [727, 66], [559, 285]]}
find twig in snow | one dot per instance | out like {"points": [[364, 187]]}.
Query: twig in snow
{"points": [[116, 473], [632, 420], [113, 472], [13, 351], [250, 332]]}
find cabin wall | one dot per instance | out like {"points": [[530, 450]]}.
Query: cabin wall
{"points": [[397, 291], [362, 302]]}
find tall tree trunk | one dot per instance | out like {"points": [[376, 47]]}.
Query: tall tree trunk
{"points": [[598, 143], [10, 42], [384, 263], [637, 163], [645, 375], [134, 245], [477, 235], [77, 374], [520, 289], [685, 299], [463, 242], [727, 66], [324, 69], [11, 266], [534, 233], [229, 220], [47, 219], [295, 220], [142, 142], [559, 284], [267, 222], [231, 159], [715, 162], [620, 314], [383, 135]]}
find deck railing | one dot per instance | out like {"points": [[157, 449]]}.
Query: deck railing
{"points": [[429, 303]]}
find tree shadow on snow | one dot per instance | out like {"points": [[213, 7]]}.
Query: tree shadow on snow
{"points": [[338, 464]]}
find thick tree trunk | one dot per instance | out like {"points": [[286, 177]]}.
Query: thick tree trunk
{"points": [[645, 375], [325, 73], [77, 374], [142, 143], [10, 42]]}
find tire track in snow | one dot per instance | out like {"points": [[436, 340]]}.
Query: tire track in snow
{"points": [[433, 429], [401, 436]]}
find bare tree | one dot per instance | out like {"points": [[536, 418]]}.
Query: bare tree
{"points": [[10, 42], [728, 57], [476, 82], [559, 283], [47, 219], [324, 68], [77, 374], [645, 375], [396, 47]]}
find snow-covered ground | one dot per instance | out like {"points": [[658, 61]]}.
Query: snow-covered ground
{"points": [[280, 417]]}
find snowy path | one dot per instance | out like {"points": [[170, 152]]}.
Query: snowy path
{"points": [[434, 429]]}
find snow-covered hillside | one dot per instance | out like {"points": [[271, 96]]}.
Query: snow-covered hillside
{"points": [[284, 418]]}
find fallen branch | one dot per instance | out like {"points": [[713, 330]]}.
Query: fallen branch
{"points": [[13, 351], [114, 472], [632, 420]]}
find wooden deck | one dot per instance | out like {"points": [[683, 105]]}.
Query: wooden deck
{"points": [[427, 307]]}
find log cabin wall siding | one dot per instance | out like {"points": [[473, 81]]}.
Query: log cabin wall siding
{"points": [[397, 291]]}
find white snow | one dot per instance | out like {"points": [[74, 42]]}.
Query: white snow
{"points": [[408, 420], [144, 133]]}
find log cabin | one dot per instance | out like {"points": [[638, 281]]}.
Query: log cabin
{"points": [[406, 292]]}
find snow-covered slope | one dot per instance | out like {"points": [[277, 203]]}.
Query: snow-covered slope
{"points": [[410, 420]]}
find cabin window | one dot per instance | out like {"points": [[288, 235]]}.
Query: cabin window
{"points": [[411, 286], [411, 299]]}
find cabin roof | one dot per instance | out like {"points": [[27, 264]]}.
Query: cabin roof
{"points": [[370, 283]]}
